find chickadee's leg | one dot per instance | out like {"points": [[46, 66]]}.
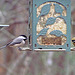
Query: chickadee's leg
{"points": [[19, 48]]}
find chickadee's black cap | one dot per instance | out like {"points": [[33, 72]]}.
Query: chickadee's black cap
{"points": [[24, 36]]}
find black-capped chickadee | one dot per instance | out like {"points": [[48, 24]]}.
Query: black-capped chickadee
{"points": [[73, 41], [17, 42]]}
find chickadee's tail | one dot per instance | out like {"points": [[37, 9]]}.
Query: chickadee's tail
{"points": [[3, 47]]}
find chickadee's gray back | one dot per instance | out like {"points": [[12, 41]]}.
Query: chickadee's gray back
{"points": [[15, 41]]}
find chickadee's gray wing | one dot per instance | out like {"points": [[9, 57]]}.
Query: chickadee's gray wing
{"points": [[15, 41]]}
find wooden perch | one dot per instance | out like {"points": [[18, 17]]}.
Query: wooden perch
{"points": [[26, 49]]}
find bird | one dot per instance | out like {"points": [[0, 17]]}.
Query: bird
{"points": [[73, 41], [17, 42]]}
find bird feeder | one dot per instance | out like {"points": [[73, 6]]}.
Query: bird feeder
{"points": [[50, 25]]}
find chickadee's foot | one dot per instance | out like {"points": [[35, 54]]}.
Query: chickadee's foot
{"points": [[19, 48]]}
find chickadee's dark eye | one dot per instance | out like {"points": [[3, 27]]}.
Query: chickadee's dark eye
{"points": [[24, 39]]}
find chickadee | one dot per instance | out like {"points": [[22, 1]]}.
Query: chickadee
{"points": [[17, 42], [73, 41]]}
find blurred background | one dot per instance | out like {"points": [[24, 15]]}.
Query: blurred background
{"points": [[13, 62]]}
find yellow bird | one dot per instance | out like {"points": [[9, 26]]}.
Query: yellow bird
{"points": [[73, 41]]}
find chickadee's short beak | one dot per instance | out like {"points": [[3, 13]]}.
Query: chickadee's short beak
{"points": [[27, 38]]}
